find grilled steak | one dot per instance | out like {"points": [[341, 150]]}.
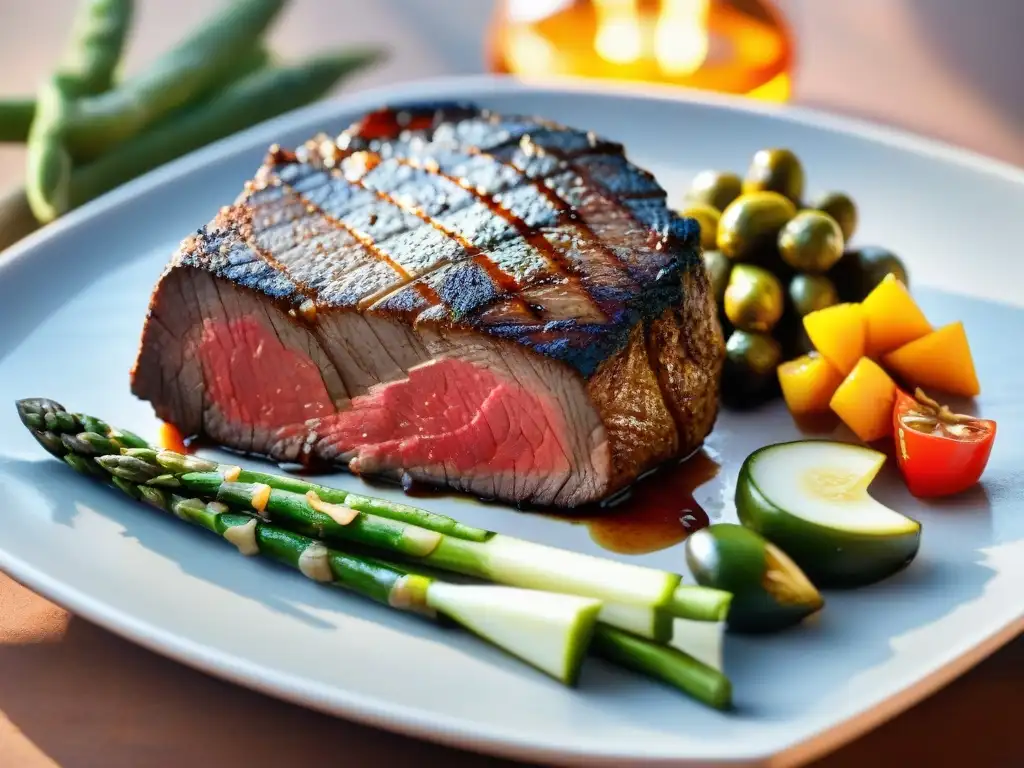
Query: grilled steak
{"points": [[500, 305]]}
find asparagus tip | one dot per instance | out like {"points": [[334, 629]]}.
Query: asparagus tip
{"points": [[32, 411]]}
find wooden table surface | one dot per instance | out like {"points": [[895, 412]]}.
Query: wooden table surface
{"points": [[72, 694]]}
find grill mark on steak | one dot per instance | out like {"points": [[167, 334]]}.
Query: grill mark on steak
{"points": [[368, 244], [506, 282], [334, 155], [555, 256]]}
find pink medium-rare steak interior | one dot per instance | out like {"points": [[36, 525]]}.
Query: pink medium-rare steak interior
{"points": [[447, 413], [500, 305], [441, 410]]}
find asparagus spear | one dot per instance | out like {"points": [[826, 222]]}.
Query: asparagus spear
{"points": [[554, 640], [196, 65], [98, 37], [670, 665], [431, 541], [547, 630]]}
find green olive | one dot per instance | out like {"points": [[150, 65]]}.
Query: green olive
{"points": [[707, 216], [749, 228], [809, 293], [841, 208], [714, 188], [857, 273], [748, 374], [811, 242], [718, 268], [753, 298], [775, 170]]}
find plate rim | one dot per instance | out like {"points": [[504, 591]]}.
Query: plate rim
{"points": [[398, 717]]}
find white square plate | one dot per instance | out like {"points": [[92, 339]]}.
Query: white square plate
{"points": [[72, 301]]}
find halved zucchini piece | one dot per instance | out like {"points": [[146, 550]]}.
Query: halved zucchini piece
{"points": [[770, 592], [810, 498]]}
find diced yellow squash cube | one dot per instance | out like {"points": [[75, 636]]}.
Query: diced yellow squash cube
{"points": [[864, 401], [838, 333], [892, 317], [941, 360], [808, 384]]}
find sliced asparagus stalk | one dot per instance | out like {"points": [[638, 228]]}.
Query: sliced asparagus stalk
{"points": [[664, 663], [499, 558], [700, 639], [549, 631], [43, 417], [55, 429], [503, 559]]}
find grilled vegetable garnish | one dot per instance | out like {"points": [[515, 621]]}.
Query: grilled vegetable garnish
{"points": [[810, 498], [343, 518], [941, 360], [864, 401], [939, 452], [549, 629]]}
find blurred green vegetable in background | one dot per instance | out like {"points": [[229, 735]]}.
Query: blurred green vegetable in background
{"points": [[88, 130]]}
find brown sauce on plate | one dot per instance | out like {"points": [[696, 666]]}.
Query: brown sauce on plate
{"points": [[658, 512]]}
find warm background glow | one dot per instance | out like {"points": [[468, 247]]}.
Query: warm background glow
{"points": [[736, 46]]}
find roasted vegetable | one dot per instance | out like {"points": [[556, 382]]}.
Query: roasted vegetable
{"points": [[749, 228], [748, 375], [810, 499], [941, 360], [892, 317], [808, 384], [864, 401], [707, 216], [838, 333], [719, 269], [859, 270], [715, 188], [809, 293], [753, 299]]}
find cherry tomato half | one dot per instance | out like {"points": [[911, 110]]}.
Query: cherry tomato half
{"points": [[939, 452]]}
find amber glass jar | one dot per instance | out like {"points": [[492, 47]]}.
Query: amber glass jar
{"points": [[732, 46]]}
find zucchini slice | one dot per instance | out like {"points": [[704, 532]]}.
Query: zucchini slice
{"points": [[810, 498]]}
